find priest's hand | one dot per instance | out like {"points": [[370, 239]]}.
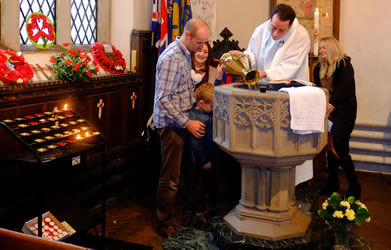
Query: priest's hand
{"points": [[196, 128], [262, 74], [236, 52]]}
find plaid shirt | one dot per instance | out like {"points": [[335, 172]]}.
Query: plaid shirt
{"points": [[173, 89]]}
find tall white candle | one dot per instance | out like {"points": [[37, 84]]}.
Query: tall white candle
{"points": [[134, 61], [316, 19], [316, 32]]}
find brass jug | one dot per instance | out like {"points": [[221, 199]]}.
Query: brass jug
{"points": [[236, 65]]}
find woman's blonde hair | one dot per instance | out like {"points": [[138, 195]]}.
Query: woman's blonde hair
{"points": [[334, 55]]}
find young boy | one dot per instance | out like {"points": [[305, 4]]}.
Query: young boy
{"points": [[205, 149]]}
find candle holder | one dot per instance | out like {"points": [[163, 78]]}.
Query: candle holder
{"points": [[48, 131]]}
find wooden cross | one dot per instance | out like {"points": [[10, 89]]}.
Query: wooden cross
{"points": [[100, 105], [133, 97]]}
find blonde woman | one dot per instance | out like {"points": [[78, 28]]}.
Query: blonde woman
{"points": [[335, 72]]}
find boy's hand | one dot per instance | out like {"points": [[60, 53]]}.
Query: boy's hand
{"points": [[207, 165]]}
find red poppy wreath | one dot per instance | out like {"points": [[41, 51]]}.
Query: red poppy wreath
{"points": [[40, 30], [114, 67], [13, 68]]}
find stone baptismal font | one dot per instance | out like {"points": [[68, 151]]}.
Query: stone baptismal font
{"points": [[254, 128]]}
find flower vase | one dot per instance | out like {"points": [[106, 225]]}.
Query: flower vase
{"points": [[342, 235]]}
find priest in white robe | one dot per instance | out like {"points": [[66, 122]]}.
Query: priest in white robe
{"points": [[279, 47], [279, 50]]}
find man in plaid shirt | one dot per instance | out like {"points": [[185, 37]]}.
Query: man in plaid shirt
{"points": [[173, 100]]}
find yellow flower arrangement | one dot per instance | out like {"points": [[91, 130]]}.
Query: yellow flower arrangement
{"points": [[340, 213]]}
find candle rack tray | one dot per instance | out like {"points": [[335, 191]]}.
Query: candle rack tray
{"points": [[51, 135]]}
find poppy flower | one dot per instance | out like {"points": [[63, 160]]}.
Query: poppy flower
{"points": [[4, 69], [13, 75], [3, 58], [76, 67]]}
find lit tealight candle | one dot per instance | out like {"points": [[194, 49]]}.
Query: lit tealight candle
{"points": [[78, 137], [87, 134], [66, 107]]}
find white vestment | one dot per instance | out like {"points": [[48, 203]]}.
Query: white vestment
{"points": [[283, 59]]}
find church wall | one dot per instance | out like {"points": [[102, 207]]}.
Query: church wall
{"points": [[365, 35], [141, 20], [241, 18], [10, 26], [122, 23]]}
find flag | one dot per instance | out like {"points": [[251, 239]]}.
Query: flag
{"points": [[163, 43], [187, 15], [179, 12], [155, 25], [168, 21], [159, 25], [173, 19], [155, 15]]}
